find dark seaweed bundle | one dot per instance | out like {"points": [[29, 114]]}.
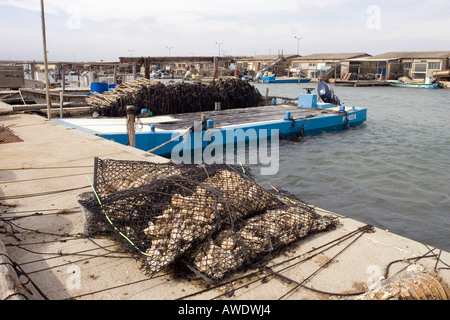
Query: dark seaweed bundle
{"points": [[178, 97]]}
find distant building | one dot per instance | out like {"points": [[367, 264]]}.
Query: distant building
{"points": [[276, 63], [315, 66], [392, 65]]}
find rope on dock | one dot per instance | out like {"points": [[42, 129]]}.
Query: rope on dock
{"points": [[261, 275], [189, 130], [38, 194]]}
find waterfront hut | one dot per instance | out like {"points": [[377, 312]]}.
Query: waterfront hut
{"points": [[418, 66], [322, 66], [276, 63]]}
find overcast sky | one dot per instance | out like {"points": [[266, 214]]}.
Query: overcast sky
{"points": [[88, 30]]}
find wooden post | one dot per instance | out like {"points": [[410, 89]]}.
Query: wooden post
{"points": [[63, 79], [267, 95], [32, 70], [47, 80], [216, 68], [134, 71], [61, 103], [388, 71], [130, 127], [147, 68]]}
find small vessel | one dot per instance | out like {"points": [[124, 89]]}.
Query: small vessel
{"points": [[39, 96], [274, 79], [414, 85], [406, 83]]}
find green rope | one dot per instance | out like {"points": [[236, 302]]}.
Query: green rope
{"points": [[112, 224]]}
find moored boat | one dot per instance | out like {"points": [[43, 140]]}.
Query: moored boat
{"points": [[39, 96], [285, 80], [435, 85]]}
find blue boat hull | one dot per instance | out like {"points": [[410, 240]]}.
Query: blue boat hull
{"points": [[285, 128], [414, 85], [287, 80]]}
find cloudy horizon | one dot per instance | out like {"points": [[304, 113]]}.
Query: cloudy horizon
{"points": [[106, 30]]}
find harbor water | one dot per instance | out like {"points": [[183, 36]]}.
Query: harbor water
{"points": [[392, 172]]}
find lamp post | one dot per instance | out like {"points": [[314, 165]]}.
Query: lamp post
{"points": [[219, 44], [169, 49], [298, 44], [131, 52]]}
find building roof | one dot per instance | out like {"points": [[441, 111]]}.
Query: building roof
{"points": [[271, 57], [414, 55], [333, 56]]}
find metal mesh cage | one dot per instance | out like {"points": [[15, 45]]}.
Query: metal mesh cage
{"points": [[213, 217]]}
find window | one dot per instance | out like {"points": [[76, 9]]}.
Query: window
{"points": [[420, 76], [420, 67], [295, 64], [434, 65], [311, 64], [407, 65]]}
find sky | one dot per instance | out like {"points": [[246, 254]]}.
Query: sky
{"points": [[87, 30]]}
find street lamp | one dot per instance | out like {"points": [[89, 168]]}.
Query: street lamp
{"points": [[169, 49], [131, 52], [219, 44], [298, 44]]}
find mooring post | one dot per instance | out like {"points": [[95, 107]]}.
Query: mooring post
{"points": [[61, 103], [130, 127]]}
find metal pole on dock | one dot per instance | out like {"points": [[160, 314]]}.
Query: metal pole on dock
{"points": [[47, 80]]}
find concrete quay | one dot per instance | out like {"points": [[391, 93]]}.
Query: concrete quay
{"points": [[41, 228]]}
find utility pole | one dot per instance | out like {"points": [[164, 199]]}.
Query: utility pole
{"points": [[47, 80]]}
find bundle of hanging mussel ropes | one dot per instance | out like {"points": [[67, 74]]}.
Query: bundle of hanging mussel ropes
{"points": [[163, 98]]}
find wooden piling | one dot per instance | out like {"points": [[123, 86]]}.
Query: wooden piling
{"points": [[130, 127], [61, 104]]}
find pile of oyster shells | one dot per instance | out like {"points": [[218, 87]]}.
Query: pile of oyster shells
{"points": [[259, 235], [191, 219], [216, 219]]}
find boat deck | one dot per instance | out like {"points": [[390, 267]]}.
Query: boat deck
{"points": [[182, 121], [157, 133]]}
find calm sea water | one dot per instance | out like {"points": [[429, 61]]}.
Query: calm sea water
{"points": [[392, 172]]}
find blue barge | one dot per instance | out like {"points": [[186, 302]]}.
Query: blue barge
{"points": [[285, 80], [162, 135]]}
